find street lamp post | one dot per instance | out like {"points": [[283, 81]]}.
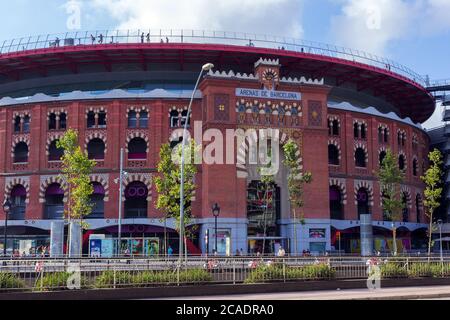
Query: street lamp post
{"points": [[119, 221], [216, 212], [205, 68], [207, 242], [6, 209]]}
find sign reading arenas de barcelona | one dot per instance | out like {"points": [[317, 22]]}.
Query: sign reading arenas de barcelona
{"points": [[268, 94], [342, 126]]}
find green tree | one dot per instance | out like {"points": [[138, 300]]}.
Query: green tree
{"points": [[267, 186], [391, 178], [168, 183], [433, 190], [76, 168], [296, 182]]}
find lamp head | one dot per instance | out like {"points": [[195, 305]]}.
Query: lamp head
{"points": [[207, 67], [6, 205], [216, 210], [439, 221]]}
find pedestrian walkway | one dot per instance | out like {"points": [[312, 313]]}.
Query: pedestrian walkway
{"points": [[405, 293]]}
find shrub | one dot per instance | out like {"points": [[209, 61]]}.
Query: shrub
{"points": [[309, 272], [106, 279], [393, 270], [56, 281], [439, 270], [10, 281], [145, 278], [420, 270]]}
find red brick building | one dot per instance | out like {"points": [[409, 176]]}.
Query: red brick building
{"points": [[342, 114]]}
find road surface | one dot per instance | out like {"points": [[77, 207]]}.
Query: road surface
{"points": [[409, 293]]}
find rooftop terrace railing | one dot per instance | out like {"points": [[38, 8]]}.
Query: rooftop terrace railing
{"points": [[101, 37]]}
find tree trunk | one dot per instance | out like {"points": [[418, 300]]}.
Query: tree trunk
{"points": [[295, 234], [430, 234], [394, 239], [264, 219], [165, 237]]}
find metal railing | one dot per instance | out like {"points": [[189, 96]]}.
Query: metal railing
{"points": [[439, 83], [65, 274], [101, 37]]}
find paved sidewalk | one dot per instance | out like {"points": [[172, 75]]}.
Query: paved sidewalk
{"points": [[405, 293]]}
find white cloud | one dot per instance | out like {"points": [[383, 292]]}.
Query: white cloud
{"points": [[436, 17], [280, 17], [371, 25]]}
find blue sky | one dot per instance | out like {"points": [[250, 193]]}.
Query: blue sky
{"points": [[415, 33]]}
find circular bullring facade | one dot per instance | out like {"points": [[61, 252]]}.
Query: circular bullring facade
{"points": [[342, 124]]}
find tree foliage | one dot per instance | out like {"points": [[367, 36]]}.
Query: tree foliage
{"points": [[168, 182], [433, 190], [391, 178], [76, 168], [296, 179]]}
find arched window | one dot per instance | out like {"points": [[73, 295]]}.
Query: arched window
{"points": [[21, 153], [17, 124], [54, 202], [97, 201], [335, 128], [381, 157], [386, 135], [174, 119], [414, 167], [96, 149], [360, 158], [418, 207], [355, 130], [63, 121], [263, 209], [363, 131], [336, 210], [132, 119], [333, 155], [26, 124], [175, 142], [137, 149], [52, 122], [102, 119], [405, 211], [362, 198], [136, 204], [55, 153], [90, 120], [184, 118], [18, 202], [380, 134], [401, 162], [143, 119]]}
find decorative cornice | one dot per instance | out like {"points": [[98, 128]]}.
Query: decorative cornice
{"points": [[267, 62]]}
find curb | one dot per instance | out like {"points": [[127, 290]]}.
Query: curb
{"points": [[224, 289]]}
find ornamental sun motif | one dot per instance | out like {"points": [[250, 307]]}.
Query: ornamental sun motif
{"points": [[270, 79]]}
